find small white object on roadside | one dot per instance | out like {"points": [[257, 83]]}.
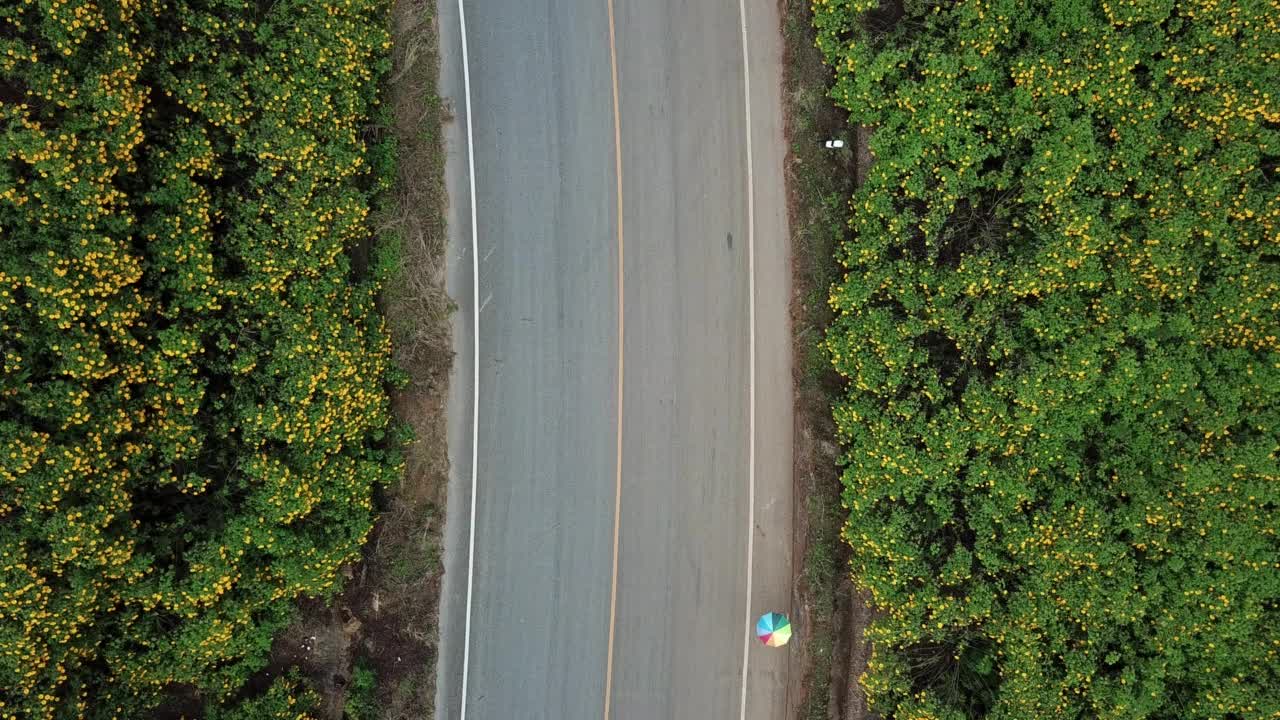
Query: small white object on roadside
{"points": [[835, 144]]}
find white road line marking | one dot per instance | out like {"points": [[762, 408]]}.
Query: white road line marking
{"points": [[475, 358], [751, 356]]}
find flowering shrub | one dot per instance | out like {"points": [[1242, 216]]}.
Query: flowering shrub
{"points": [[193, 406], [1059, 328]]}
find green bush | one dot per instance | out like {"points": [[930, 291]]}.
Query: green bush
{"points": [[193, 409], [288, 698], [361, 694], [1058, 326]]}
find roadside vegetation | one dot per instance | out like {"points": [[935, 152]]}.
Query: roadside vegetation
{"points": [[819, 183], [1058, 332], [197, 212]]}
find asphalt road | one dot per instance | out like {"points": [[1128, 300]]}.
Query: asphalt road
{"points": [[547, 477]]}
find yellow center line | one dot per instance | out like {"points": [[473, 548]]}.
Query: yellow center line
{"points": [[617, 497]]}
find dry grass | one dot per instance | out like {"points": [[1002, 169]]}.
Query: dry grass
{"points": [[417, 307]]}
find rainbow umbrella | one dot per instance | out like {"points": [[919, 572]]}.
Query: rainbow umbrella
{"points": [[773, 629]]}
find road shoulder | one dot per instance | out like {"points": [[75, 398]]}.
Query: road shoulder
{"points": [[461, 386], [769, 669]]}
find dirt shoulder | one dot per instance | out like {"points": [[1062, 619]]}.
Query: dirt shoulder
{"points": [[830, 651]]}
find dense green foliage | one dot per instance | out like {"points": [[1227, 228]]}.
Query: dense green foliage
{"points": [[287, 698], [193, 405], [361, 694], [1059, 329]]}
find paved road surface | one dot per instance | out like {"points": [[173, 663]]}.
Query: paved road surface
{"points": [[547, 478]]}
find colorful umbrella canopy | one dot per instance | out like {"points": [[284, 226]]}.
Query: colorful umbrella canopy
{"points": [[773, 629]]}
